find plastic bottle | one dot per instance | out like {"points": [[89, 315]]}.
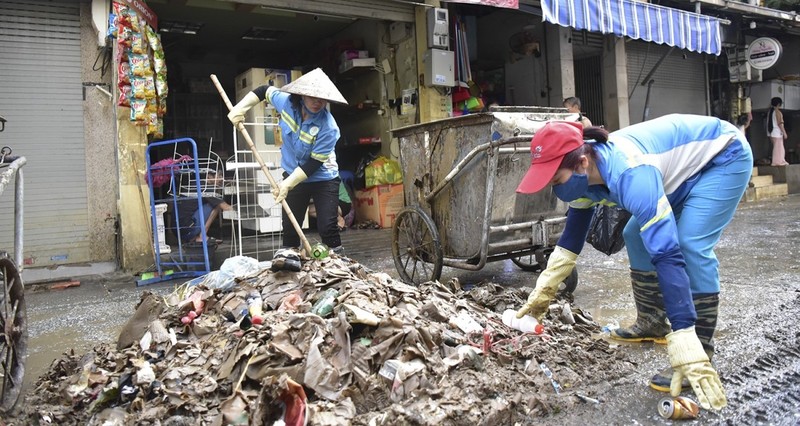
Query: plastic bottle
{"points": [[255, 306], [326, 302], [319, 251], [526, 324]]}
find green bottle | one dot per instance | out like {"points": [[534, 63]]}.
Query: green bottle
{"points": [[326, 302]]}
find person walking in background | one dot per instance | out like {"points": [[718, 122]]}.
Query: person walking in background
{"points": [[777, 132], [573, 105], [308, 155], [681, 177]]}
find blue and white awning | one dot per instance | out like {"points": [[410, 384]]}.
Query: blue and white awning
{"points": [[639, 20]]}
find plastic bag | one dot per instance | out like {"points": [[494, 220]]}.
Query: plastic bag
{"points": [[605, 232], [383, 171]]}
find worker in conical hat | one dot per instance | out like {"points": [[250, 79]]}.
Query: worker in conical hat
{"points": [[308, 155]]}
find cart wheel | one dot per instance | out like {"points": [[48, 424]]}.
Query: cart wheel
{"points": [[527, 263], [571, 282], [415, 246], [13, 334]]}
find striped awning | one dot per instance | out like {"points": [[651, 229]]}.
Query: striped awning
{"points": [[639, 20]]}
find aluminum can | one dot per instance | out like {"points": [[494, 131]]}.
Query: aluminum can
{"points": [[679, 408]]}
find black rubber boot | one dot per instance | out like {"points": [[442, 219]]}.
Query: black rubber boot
{"points": [[651, 319], [707, 308]]}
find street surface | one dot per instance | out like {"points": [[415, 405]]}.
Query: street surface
{"points": [[757, 336]]}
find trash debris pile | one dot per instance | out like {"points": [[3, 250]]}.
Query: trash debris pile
{"points": [[332, 344]]}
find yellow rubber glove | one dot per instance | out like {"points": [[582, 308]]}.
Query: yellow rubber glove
{"points": [[690, 361], [238, 111], [283, 188], [559, 266]]}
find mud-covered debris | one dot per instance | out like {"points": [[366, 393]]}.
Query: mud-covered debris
{"points": [[387, 353]]}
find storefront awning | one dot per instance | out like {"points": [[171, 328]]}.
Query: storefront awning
{"points": [[639, 20]]}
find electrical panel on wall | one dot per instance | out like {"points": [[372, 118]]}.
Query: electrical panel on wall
{"points": [[438, 29]]}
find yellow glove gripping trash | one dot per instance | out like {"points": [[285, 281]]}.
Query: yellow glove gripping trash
{"points": [[689, 360], [559, 266]]}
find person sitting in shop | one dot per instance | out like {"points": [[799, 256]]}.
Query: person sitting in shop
{"points": [[308, 155], [189, 219], [573, 105]]}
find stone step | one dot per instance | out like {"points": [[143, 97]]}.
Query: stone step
{"points": [[755, 172], [766, 192], [759, 181]]}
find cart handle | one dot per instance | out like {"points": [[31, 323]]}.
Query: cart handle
{"points": [[470, 155]]}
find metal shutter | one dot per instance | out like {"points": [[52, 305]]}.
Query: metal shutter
{"points": [[41, 97], [389, 10], [680, 81]]}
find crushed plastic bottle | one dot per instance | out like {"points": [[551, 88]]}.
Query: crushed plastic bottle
{"points": [[326, 302]]}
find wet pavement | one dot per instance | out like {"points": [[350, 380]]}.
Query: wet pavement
{"points": [[757, 335]]}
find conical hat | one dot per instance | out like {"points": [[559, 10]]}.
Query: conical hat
{"points": [[315, 84]]}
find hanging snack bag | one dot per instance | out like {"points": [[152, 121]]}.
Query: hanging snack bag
{"points": [[152, 123], [138, 90], [123, 14], [150, 90], [140, 65], [124, 73], [135, 22], [138, 43], [139, 111], [124, 99], [112, 25]]}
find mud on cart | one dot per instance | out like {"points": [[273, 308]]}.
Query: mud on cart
{"points": [[461, 206]]}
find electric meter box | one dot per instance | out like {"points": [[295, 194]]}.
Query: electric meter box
{"points": [[438, 28], [439, 65]]}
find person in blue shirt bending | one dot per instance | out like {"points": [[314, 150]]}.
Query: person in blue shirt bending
{"points": [[681, 177], [308, 155]]}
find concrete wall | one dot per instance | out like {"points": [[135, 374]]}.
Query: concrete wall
{"points": [[101, 166]]}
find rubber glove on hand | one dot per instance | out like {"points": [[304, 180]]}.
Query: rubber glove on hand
{"points": [[283, 188], [238, 111], [689, 360], [559, 266]]}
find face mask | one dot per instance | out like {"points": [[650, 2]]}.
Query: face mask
{"points": [[572, 189]]}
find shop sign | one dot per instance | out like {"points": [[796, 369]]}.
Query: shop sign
{"points": [[144, 11], [763, 52]]}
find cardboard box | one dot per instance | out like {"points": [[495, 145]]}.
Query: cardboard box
{"points": [[380, 203]]}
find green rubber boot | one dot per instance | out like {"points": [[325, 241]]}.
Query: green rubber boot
{"points": [[651, 319], [707, 308]]}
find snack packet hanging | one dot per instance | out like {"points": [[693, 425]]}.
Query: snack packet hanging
{"points": [[140, 65], [124, 99], [138, 43], [138, 111]]}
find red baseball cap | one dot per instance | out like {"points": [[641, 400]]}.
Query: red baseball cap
{"points": [[548, 147]]}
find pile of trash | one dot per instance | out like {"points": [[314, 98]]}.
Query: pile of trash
{"points": [[332, 344]]}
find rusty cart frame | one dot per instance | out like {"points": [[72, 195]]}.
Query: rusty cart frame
{"points": [[13, 321], [461, 207]]}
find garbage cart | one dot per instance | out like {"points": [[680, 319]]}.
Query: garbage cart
{"points": [[461, 209]]}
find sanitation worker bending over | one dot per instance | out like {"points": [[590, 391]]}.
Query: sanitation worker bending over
{"points": [[308, 155], [681, 177]]}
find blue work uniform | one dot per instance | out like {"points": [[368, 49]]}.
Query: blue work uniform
{"points": [[313, 138], [681, 177], [311, 145]]}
